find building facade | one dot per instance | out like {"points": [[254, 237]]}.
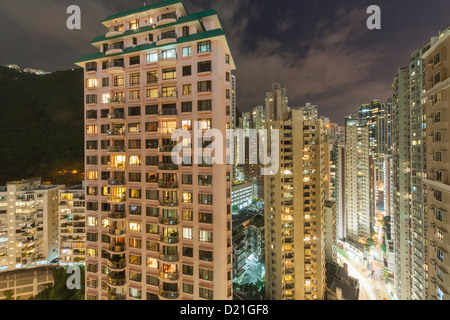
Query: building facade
{"points": [[157, 229], [29, 224], [294, 212]]}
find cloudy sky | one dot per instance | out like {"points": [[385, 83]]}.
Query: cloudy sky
{"points": [[320, 50]]}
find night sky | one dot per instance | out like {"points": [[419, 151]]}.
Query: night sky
{"points": [[320, 50]]}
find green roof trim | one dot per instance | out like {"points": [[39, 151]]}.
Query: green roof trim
{"points": [[194, 37], [143, 9], [184, 19]]}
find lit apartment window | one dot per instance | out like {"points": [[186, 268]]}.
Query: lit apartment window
{"points": [[91, 221], [135, 243], [135, 95], [437, 117], [187, 215], [186, 124], [106, 98], [135, 226], [204, 124], [187, 197], [168, 92], [135, 161], [169, 54], [204, 46], [91, 175], [152, 263], [187, 233], [134, 24], [91, 83], [134, 127], [169, 74], [136, 260], [135, 79], [187, 89], [152, 93], [204, 217], [152, 57], [439, 235], [91, 130], [205, 236], [187, 51], [135, 193], [119, 81], [91, 252]]}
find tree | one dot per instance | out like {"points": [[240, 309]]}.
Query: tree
{"points": [[9, 295]]}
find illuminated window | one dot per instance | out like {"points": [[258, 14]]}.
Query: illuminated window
{"points": [[105, 223], [136, 260], [187, 233], [91, 83], [186, 124], [106, 97], [91, 130], [187, 197], [187, 89], [135, 226], [91, 252], [152, 57], [205, 236], [91, 175], [134, 24], [135, 95], [187, 215], [135, 161], [91, 221], [169, 74], [204, 124], [152, 263]]}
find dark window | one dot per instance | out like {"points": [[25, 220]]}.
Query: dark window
{"points": [[187, 71], [204, 105], [134, 111], [186, 106], [204, 86], [204, 46], [204, 66], [135, 60], [151, 109]]}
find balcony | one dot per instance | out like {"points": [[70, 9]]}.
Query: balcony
{"points": [[168, 184], [114, 48], [117, 215], [116, 132], [167, 59], [116, 149], [169, 221], [116, 166], [115, 67], [169, 257], [116, 249], [116, 117], [166, 148], [116, 182], [165, 294], [116, 232], [166, 131], [115, 31], [168, 112], [166, 37], [117, 265], [115, 101], [168, 96], [168, 202], [116, 296], [170, 239], [116, 282], [168, 166], [165, 18], [169, 276], [117, 199]]}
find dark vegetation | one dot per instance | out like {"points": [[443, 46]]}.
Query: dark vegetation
{"points": [[41, 126]]}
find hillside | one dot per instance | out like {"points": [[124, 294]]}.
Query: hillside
{"points": [[41, 126]]}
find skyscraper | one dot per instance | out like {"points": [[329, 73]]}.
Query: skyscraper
{"points": [[156, 229], [294, 211], [357, 179], [437, 108], [276, 102]]}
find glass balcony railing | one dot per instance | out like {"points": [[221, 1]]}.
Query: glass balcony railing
{"points": [[116, 182], [167, 16], [168, 202], [116, 232], [169, 257], [168, 112], [168, 184], [168, 294], [171, 239], [117, 215], [169, 221], [169, 276], [117, 265], [116, 149]]}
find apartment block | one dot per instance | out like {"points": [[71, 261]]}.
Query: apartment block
{"points": [[72, 226], [436, 96], [28, 224], [358, 214], [294, 211], [157, 229]]}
